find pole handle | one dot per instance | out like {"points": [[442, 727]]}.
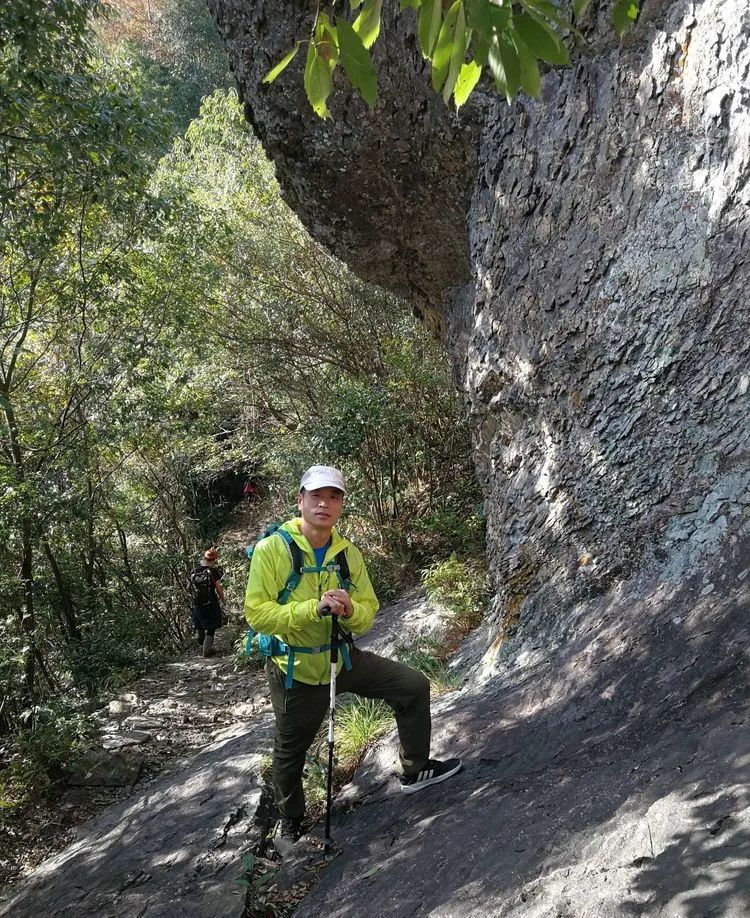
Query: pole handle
{"points": [[335, 637]]}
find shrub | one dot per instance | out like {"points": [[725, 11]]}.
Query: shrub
{"points": [[428, 656], [462, 588], [34, 758], [359, 722]]}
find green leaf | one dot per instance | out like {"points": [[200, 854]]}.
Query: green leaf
{"points": [[318, 81], [478, 17], [409, 4], [458, 53], [580, 7], [327, 40], [548, 11], [371, 871], [429, 25], [468, 78], [624, 14], [441, 59], [481, 49], [367, 24], [356, 62], [530, 80], [540, 39], [503, 61], [282, 65]]}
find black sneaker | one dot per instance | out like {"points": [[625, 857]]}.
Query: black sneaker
{"points": [[290, 829], [433, 773], [285, 835]]}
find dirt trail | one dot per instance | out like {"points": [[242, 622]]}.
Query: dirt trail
{"points": [[149, 729]]}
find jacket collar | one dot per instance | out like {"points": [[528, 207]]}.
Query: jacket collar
{"points": [[294, 528]]}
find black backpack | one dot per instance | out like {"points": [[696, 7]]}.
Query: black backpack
{"points": [[202, 586]]}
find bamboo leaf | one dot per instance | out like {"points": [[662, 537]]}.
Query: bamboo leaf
{"points": [[327, 40], [318, 81], [503, 61], [458, 54], [441, 59], [624, 14], [429, 25], [545, 11], [540, 39], [530, 80]]}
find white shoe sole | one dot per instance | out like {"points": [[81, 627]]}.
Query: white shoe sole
{"points": [[422, 785]]}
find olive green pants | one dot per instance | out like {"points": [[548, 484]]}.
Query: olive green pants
{"points": [[301, 709]]}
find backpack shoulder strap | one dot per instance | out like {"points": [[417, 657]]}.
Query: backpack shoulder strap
{"points": [[343, 571], [297, 561]]}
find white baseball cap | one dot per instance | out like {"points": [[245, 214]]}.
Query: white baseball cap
{"points": [[322, 476]]}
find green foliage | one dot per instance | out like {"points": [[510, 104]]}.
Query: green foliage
{"points": [[92, 335], [34, 758], [339, 371], [166, 325], [510, 37], [461, 587], [196, 59], [176, 43], [359, 723], [428, 656]]}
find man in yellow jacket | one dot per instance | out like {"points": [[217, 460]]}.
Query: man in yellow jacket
{"points": [[301, 619]]}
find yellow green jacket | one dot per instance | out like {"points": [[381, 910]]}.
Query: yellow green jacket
{"points": [[297, 621]]}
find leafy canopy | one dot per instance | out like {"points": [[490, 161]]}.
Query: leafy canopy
{"points": [[459, 39]]}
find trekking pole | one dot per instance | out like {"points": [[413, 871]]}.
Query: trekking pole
{"points": [[331, 718]]}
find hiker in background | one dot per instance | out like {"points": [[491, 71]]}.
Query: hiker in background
{"points": [[332, 580], [208, 597], [250, 492]]}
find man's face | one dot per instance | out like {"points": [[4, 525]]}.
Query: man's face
{"points": [[321, 508]]}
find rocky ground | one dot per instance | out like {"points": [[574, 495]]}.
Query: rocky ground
{"points": [[147, 731]]}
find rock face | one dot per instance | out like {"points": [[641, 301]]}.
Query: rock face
{"points": [[604, 779], [387, 192], [173, 852], [604, 342]]}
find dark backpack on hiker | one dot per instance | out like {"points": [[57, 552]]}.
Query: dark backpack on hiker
{"points": [[268, 644], [202, 585]]}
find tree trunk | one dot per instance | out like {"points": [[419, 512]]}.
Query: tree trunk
{"points": [[28, 623], [26, 561], [66, 602]]}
